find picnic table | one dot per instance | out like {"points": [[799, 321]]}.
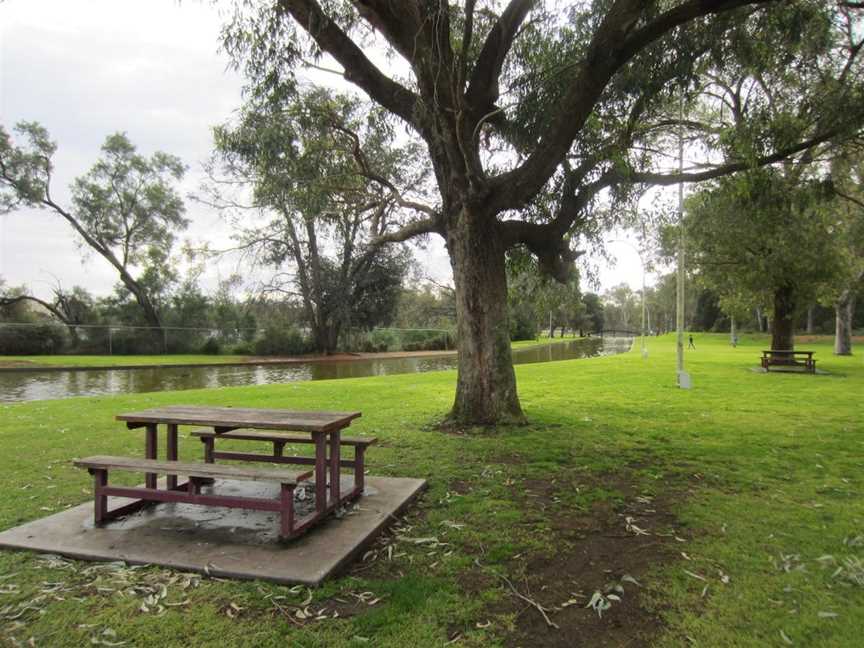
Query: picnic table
{"points": [[278, 426], [788, 358]]}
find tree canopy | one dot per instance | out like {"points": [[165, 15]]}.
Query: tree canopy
{"points": [[530, 112], [126, 208]]}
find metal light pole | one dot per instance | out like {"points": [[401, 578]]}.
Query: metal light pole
{"points": [[682, 376]]}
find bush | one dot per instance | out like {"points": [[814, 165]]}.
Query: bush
{"points": [[136, 342], [211, 347], [379, 340], [523, 323], [40, 339], [282, 340], [244, 348]]}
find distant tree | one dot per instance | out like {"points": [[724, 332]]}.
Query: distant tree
{"points": [[126, 208], [594, 311], [622, 308], [429, 306], [708, 311], [320, 169], [767, 235], [847, 209], [532, 294]]}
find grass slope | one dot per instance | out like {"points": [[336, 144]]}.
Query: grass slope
{"points": [[763, 474]]}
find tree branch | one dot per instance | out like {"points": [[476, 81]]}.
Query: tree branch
{"points": [[614, 44], [482, 90], [359, 70], [426, 226], [662, 179]]}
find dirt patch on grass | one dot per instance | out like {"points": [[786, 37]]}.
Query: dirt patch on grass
{"points": [[607, 550], [17, 364]]}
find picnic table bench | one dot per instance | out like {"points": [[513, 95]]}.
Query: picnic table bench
{"points": [[189, 492], [324, 429], [279, 441], [788, 358]]}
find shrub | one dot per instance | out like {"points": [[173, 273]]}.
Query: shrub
{"points": [[136, 342], [379, 340], [523, 324], [282, 340], [211, 347], [40, 339], [244, 348]]}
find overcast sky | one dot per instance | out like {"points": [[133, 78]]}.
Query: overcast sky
{"points": [[85, 69]]}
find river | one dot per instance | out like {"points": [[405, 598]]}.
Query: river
{"points": [[16, 386]]}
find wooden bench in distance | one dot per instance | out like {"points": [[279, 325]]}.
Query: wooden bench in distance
{"points": [[788, 358], [279, 441], [190, 492]]}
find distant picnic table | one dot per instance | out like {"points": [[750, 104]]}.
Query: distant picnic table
{"points": [[276, 426], [788, 358]]}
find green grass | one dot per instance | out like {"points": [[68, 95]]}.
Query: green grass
{"points": [[121, 360], [765, 472], [521, 344]]}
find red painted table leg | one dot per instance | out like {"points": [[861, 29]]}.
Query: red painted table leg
{"points": [[150, 447], [171, 453], [334, 466], [100, 506], [287, 511], [320, 472], [359, 468]]}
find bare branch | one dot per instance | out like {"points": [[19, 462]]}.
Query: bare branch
{"points": [[614, 44], [483, 88], [359, 70]]}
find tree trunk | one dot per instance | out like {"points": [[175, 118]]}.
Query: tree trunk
{"points": [[760, 319], [486, 383], [783, 320], [143, 299], [810, 312], [733, 333], [843, 310]]}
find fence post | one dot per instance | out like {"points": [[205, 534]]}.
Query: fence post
{"points": [[164, 340]]}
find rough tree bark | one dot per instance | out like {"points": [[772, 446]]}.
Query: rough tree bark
{"points": [[810, 312], [486, 383], [783, 320], [844, 308]]}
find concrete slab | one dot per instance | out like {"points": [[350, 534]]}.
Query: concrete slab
{"points": [[232, 543], [790, 370]]}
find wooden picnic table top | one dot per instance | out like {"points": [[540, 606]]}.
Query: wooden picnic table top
{"points": [[788, 351], [241, 417]]}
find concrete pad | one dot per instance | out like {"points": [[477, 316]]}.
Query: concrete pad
{"points": [[790, 370], [233, 543]]}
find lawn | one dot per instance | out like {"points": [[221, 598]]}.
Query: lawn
{"points": [[726, 515]]}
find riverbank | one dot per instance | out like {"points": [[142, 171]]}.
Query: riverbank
{"points": [[92, 362], [725, 515], [88, 363]]}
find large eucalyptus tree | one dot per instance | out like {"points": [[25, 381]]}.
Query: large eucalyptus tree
{"points": [[321, 169], [126, 208], [529, 111]]}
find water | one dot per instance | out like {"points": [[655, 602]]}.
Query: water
{"points": [[40, 385]]}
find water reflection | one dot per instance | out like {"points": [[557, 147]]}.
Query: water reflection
{"points": [[40, 385]]}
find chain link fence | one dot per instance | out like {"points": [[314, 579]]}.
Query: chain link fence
{"points": [[93, 339], [53, 338]]}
